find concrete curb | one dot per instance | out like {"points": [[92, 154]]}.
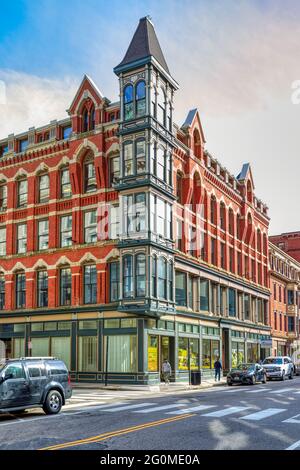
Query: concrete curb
{"points": [[175, 387]]}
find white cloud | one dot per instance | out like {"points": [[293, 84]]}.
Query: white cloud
{"points": [[33, 101]]}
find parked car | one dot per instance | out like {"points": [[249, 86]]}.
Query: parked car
{"points": [[296, 362], [33, 382], [246, 374], [278, 367]]}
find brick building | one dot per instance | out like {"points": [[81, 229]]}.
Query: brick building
{"points": [[123, 241], [288, 242], [284, 303]]}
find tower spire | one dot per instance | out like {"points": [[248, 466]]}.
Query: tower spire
{"points": [[143, 46]]}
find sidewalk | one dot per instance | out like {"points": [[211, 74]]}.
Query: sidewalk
{"points": [[173, 386]]}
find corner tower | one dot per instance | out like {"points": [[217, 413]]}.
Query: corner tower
{"points": [[146, 175]]}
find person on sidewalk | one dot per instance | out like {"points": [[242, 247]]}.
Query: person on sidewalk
{"points": [[218, 367], [166, 371]]}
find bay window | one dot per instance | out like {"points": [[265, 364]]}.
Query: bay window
{"points": [[140, 99], [114, 274], [140, 275]]}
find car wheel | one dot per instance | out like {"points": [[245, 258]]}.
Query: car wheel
{"points": [[253, 381], [291, 376], [53, 403], [229, 383], [282, 376], [264, 379]]}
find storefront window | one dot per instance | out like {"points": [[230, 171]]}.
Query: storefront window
{"points": [[122, 353], [194, 354], [87, 353], [19, 347], [237, 353], [152, 353], [210, 352], [61, 348], [40, 347], [183, 363], [252, 352]]}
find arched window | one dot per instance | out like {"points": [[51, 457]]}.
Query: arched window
{"points": [[179, 188], [140, 99], [3, 197], [258, 241], [140, 275], [44, 188], [127, 277], [238, 227], [196, 194], [90, 183], [42, 288], [265, 244], [196, 143], [65, 183], [162, 278], [20, 290], [213, 210], [128, 102], [92, 119], [22, 192], [161, 107], [85, 120], [222, 216], [231, 222]]}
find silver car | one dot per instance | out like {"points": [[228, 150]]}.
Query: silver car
{"points": [[278, 367]]}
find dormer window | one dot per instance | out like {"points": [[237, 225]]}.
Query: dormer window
{"points": [[66, 132], [23, 144], [128, 102]]}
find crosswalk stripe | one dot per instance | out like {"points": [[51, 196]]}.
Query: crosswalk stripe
{"points": [[293, 419], [159, 408], [128, 407], [191, 409], [294, 446], [226, 411], [282, 390], [258, 390], [263, 414], [76, 405], [238, 389]]}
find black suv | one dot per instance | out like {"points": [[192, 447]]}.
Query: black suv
{"points": [[31, 382]]}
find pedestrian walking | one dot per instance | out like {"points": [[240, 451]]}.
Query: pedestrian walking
{"points": [[166, 371], [217, 367]]}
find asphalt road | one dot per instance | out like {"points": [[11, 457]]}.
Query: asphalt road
{"points": [[241, 417]]}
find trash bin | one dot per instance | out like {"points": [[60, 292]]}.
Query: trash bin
{"points": [[195, 377]]}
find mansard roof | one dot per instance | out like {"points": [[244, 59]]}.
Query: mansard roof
{"points": [[144, 44]]}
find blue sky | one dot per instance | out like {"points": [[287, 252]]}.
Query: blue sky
{"points": [[235, 60]]}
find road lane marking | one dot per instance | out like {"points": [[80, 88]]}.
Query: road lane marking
{"points": [[294, 446], [191, 409], [91, 403], [263, 414], [226, 411], [282, 390], [258, 390], [238, 389], [159, 408], [108, 435], [127, 407]]}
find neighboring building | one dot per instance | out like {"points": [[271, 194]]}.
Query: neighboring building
{"points": [[284, 304], [181, 274], [288, 242]]}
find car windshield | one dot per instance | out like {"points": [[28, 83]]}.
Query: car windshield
{"points": [[273, 360], [245, 367]]}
